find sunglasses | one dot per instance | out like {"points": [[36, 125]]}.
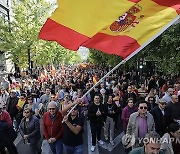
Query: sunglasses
{"points": [[162, 103], [51, 108], [143, 107], [26, 112]]}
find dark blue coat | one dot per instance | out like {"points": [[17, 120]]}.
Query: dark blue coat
{"points": [[33, 129]]}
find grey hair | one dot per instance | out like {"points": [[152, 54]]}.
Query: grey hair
{"points": [[53, 103], [152, 137]]}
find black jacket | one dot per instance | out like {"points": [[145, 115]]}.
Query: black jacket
{"points": [[11, 106], [93, 108], [161, 122]]}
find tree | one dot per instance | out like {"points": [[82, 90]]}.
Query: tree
{"points": [[20, 35]]}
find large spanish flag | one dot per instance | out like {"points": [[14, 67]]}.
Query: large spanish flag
{"points": [[113, 26]]}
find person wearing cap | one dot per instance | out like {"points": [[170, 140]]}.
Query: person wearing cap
{"points": [[161, 117], [73, 131], [52, 128], [6, 139], [30, 129]]}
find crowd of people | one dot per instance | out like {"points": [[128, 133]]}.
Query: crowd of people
{"points": [[37, 107]]}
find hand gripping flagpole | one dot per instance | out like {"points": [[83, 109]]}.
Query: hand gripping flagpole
{"points": [[127, 58]]}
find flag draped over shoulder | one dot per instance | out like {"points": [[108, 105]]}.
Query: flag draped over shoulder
{"points": [[112, 26]]}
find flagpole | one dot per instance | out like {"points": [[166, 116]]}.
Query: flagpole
{"points": [[127, 58]]}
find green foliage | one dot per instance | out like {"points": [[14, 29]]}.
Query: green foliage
{"points": [[21, 34], [166, 50], [100, 58]]}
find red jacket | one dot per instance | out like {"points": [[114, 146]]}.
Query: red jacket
{"points": [[52, 129]]}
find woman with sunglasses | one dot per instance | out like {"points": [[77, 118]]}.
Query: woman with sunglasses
{"points": [[30, 130]]}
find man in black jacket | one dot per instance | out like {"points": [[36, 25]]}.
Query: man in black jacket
{"points": [[161, 117], [11, 107], [97, 115]]}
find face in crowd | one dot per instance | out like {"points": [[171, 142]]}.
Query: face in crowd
{"points": [[170, 91], [66, 97], [74, 112], [129, 89], [52, 98], [175, 98], [152, 148], [151, 100], [12, 94], [130, 103], [30, 100], [162, 105], [87, 86], [2, 91], [27, 113], [110, 99], [79, 92], [48, 91], [52, 108], [96, 99], [142, 109]]}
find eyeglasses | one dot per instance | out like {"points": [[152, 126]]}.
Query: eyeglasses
{"points": [[143, 107], [51, 108], [26, 112]]}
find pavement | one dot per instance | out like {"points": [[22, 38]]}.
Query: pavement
{"points": [[107, 148]]}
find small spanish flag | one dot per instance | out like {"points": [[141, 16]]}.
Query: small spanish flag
{"points": [[95, 79]]}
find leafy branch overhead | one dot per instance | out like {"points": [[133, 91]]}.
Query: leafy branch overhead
{"points": [[21, 34]]}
